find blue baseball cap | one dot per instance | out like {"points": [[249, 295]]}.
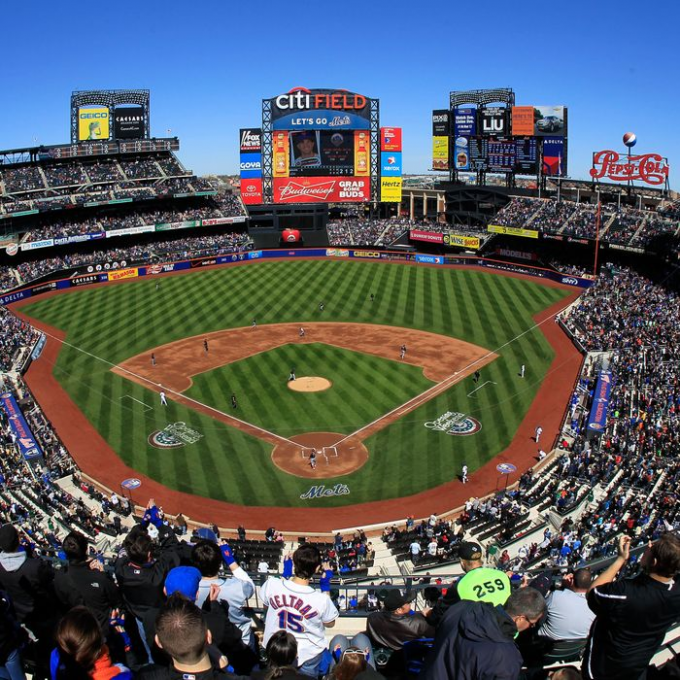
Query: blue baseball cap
{"points": [[183, 580], [206, 534]]}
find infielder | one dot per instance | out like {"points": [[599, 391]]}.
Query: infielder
{"points": [[291, 377], [539, 432], [312, 459], [302, 332], [234, 403], [321, 306], [153, 359], [205, 346], [164, 400], [402, 350], [464, 474]]}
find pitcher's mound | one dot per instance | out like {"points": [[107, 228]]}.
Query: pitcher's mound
{"points": [[309, 384]]}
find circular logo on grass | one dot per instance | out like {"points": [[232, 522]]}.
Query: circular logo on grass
{"points": [[455, 424], [173, 436]]}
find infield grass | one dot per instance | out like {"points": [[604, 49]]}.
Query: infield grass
{"points": [[108, 324]]}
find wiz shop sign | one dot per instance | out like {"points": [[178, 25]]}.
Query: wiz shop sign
{"points": [[649, 168]]}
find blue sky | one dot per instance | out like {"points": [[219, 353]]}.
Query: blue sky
{"points": [[208, 65]]}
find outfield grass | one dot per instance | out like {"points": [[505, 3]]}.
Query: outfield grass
{"points": [[110, 324]]}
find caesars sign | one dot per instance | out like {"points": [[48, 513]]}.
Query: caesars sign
{"points": [[93, 123], [322, 109]]}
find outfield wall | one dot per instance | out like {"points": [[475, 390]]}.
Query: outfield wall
{"points": [[103, 273]]}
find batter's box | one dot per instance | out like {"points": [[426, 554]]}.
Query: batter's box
{"points": [[141, 403]]}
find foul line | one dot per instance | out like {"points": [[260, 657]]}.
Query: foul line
{"points": [[454, 378], [170, 391], [488, 382]]}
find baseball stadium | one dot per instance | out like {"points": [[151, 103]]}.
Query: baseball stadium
{"points": [[325, 351]]}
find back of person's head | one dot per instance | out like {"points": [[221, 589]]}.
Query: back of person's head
{"points": [[306, 561], [664, 556], [138, 545], [181, 630], [567, 673], [583, 579], [281, 653], [207, 558], [75, 547], [79, 641], [527, 602], [352, 662], [9, 538]]}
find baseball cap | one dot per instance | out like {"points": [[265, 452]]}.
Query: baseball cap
{"points": [[395, 599], [9, 538], [206, 534], [304, 135], [183, 580], [469, 550]]}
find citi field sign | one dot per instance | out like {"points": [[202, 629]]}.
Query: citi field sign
{"points": [[320, 109]]}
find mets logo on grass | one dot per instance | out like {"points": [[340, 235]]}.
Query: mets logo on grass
{"points": [[173, 436], [455, 424]]}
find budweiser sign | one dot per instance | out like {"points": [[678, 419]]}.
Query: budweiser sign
{"points": [[649, 168], [322, 190]]}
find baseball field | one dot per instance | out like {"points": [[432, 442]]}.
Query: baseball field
{"points": [[225, 341]]}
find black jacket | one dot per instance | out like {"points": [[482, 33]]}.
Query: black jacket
{"points": [[387, 629], [141, 585], [78, 584], [474, 640], [164, 673]]}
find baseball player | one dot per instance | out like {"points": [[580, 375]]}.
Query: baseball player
{"points": [[539, 432], [321, 306], [205, 345], [372, 297], [291, 377], [302, 332], [464, 474], [164, 400], [234, 403], [402, 351], [158, 285], [478, 375], [521, 371], [153, 359], [295, 606], [312, 459], [254, 322]]}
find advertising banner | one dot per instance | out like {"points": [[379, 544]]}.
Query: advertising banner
{"points": [[470, 242], [171, 226], [14, 297], [390, 189], [222, 220], [28, 446], [440, 153], [322, 190], [87, 280], [391, 163], [441, 123], [493, 121], [34, 245], [650, 168], [93, 123], [461, 154], [320, 109], [251, 165], [251, 140], [550, 120], [128, 122], [597, 419], [522, 121], [130, 231], [281, 154], [390, 139], [430, 259], [465, 122], [120, 274], [512, 231], [251, 191], [362, 153], [554, 157], [428, 236]]}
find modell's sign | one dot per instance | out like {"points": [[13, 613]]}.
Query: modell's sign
{"points": [[303, 109], [649, 168]]}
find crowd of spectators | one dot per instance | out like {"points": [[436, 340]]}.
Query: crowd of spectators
{"points": [[16, 334], [354, 230]]}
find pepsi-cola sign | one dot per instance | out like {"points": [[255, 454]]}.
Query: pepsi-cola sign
{"points": [[649, 168]]}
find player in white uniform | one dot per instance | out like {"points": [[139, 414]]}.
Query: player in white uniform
{"points": [[298, 608]]}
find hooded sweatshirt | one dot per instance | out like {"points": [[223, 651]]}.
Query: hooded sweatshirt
{"points": [[475, 641]]}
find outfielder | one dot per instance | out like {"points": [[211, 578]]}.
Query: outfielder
{"points": [[164, 400]]}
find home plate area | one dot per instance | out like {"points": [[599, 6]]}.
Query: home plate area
{"points": [[320, 455]]}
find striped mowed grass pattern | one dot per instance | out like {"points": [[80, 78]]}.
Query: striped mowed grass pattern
{"points": [[106, 325]]}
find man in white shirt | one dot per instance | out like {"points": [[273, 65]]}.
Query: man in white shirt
{"points": [[296, 607], [415, 549]]}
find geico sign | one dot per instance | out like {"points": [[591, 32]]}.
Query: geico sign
{"points": [[367, 253], [102, 114], [251, 165], [301, 99]]}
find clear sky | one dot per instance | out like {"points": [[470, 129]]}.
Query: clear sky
{"points": [[209, 63]]}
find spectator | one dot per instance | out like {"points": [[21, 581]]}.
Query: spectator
{"points": [[396, 623], [633, 615], [475, 640], [281, 658]]}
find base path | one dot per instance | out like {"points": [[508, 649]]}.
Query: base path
{"points": [[95, 457]]}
